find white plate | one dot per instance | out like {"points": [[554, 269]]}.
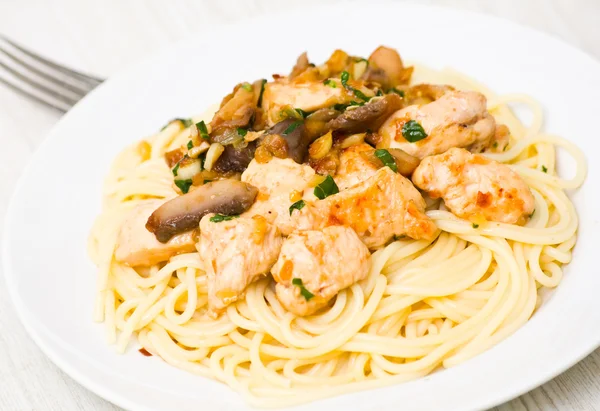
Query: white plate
{"points": [[52, 281]]}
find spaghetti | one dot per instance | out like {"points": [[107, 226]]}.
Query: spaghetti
{"points": [[424, 304]]}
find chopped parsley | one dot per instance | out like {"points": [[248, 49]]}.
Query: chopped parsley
{"points": [[247, 87], [359, 59], [184, 185], [326, 188], [342, 107], [399, 237], [190, 145], [395, 90], [175, 169], [305, 293], [413, 131], [475, 225], [291, 127], [242, 131], [217, 218], [532, 213], [298, 205], [262, 90], [329, 82], [379, 93], [495, 144], [345, 77], [544, 169], [387, 159], [185, 121], [303, 113], [201, 126]]}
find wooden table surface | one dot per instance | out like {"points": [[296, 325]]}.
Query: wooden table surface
{"points": [[102, 37]]}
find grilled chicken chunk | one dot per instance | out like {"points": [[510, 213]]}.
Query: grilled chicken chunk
{"points": [[456, 119], [315, 265], [381, 207], [354, 167], [474, 186], [235, 253], [279, 181], [136, 246]]}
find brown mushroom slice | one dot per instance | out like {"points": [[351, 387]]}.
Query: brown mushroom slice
{"points": [[294, 133], [234, 159], [386, 68], [236, 109], [183, 213], [368, 117]]}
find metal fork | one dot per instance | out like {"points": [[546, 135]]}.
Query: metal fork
{"points": [[42, 80]]}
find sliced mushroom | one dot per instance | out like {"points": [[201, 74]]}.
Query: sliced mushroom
{"points": [[367, 117], [294, 133], [184, 213], [235, 159], [316, 124], [236, 109], [386, 68]]}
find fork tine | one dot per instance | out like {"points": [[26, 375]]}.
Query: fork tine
{"points": [[59, 82], [55, 105], [86, 77], [66, 99]]}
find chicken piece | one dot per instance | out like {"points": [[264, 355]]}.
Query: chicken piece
{"points": [[315, 265], [136, 246], [381, 207], [354, 167], [457, 119], [474, 186], [236, 253], [308, 96], [279, 181]]}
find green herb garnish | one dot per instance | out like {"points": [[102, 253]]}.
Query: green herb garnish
{"points": [[387, 159], [292, 127], [399, 237], [326, 188], [298, 205], [532, 213], [247, 86], [360, 94], [475, 225], [201, 126], [175, 169], [305, 293], [303, 113], [217, 218], [345, 77], [190, 145], [185, 121], [342, 107], [544, 169], [184, 185], [395, 90], [242, 131], [262, 90], [330, 83], [495, 145], [413, 131], [379, 93]]}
